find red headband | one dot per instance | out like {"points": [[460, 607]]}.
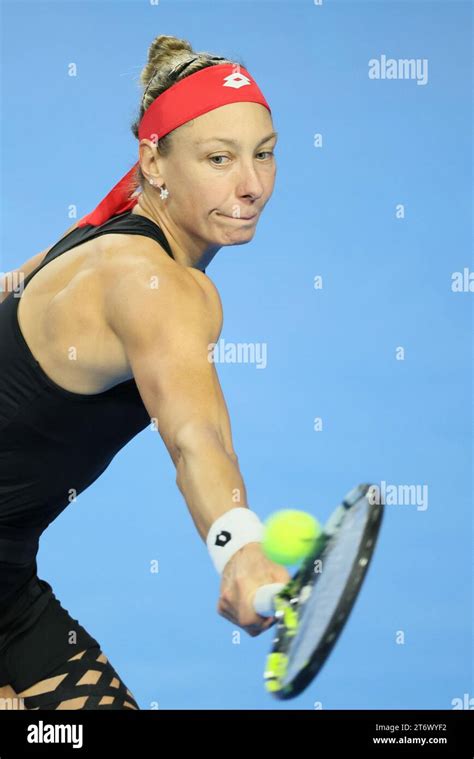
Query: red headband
{"points": [[189, 98]]}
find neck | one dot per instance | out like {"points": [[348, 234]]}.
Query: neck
{"points": [[187, 251]]}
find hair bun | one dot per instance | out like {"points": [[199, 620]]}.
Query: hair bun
{"points": [[162, 53]]}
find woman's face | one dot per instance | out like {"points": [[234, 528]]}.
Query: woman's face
{"points": [[220, 173]]}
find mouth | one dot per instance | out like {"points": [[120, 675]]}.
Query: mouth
{"points": [[238, 218]]}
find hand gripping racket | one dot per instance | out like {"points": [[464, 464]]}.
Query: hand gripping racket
{"points": [[314, 606]]}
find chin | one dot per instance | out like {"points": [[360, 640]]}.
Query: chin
{"points": [[241, 239]]}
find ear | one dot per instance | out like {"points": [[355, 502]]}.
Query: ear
{"points": [[150, 160]]}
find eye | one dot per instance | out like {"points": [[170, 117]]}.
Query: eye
{"points": [[213, 157]]}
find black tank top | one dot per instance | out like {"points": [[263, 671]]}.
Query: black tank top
{"points": [[54, 443]]}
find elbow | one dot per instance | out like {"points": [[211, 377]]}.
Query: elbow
{"points": [[194, 436], [233, 456], [196, 443]]}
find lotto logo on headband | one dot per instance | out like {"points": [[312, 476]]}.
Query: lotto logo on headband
{"points": [[236, 81]]}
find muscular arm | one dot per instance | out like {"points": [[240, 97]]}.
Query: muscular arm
{"points": [[166, 333]]}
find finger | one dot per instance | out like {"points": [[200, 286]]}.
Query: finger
{"points": [[224, 613]]}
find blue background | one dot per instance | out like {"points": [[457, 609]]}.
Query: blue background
{"points": [[331, 352]]}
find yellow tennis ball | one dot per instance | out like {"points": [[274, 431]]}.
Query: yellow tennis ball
{"points": [[290, 535]]}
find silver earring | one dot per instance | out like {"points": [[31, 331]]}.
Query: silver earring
{"points": [[163, 191]]}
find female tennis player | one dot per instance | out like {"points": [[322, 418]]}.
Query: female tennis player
{"points": [[113, 329]]}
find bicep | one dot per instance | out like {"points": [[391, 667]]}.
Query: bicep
{"points": [[177, 386], [167, 335]]}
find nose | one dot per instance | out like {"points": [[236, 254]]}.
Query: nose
{"points": [[249, 185]]}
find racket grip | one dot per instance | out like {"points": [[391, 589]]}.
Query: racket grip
{"points": [[263, 598]]}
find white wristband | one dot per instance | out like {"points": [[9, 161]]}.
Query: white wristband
{"points": [[230, 532]]}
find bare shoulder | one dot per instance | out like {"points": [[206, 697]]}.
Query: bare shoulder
{"points": [[138, 275], [209, 288]]}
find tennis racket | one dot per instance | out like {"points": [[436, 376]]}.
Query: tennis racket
{"points": [[314, 606]]}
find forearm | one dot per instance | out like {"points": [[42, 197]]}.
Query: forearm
{"points": [[210, 480]]}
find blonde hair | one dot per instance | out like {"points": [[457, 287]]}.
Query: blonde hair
{"points": [[169, 60]]}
